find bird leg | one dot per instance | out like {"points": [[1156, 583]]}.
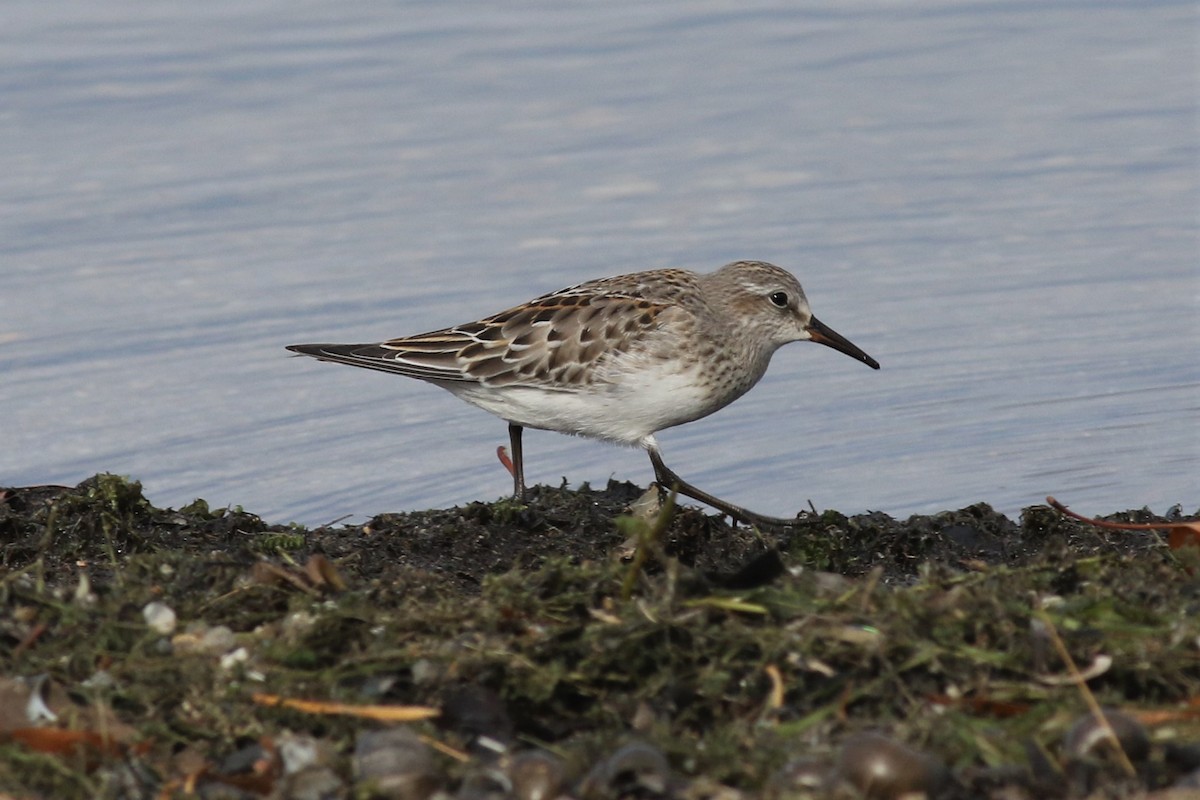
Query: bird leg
{"points": [[667, 478], [514, 439]]}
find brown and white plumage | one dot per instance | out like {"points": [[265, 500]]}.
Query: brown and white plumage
{"points": [[616, 358]]}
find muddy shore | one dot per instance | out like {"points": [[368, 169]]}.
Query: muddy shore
{"points": [[567, 647]]}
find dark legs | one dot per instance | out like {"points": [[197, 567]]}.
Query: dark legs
{"points": [[665, 476], [668, 479], [514, 440]]}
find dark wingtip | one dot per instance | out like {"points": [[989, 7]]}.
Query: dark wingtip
{"points": [[307, 349]]}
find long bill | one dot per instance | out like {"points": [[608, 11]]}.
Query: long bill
{"points": [[820, 333]]}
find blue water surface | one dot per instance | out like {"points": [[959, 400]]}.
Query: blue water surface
{"points": [[999, 201]]}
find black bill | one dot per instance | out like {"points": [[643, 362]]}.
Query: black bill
{"points": [[821, 334]]}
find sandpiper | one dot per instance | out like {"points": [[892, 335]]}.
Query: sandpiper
{"points": [[617, 359]]}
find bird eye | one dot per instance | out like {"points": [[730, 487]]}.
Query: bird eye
{"points": [[780, 299]]}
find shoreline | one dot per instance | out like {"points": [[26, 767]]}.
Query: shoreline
{"points": [[720, 659]]}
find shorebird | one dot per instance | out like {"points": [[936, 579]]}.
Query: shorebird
{"points": [[616, 359]]}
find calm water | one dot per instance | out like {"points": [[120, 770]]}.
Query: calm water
{"points": [[999, 201]]}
